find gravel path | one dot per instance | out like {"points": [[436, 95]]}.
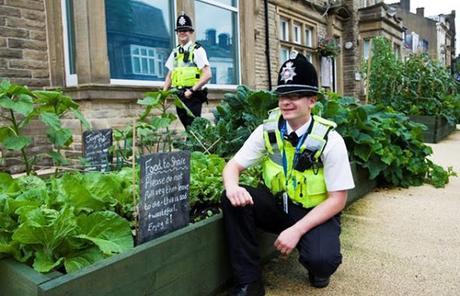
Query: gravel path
{"points": [[394, 242]]}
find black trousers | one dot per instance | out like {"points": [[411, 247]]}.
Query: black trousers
{"points": [[319, 249], [194, 103]]}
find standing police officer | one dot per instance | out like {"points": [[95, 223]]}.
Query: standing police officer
{"points": [[306, 174], [188, 71]]}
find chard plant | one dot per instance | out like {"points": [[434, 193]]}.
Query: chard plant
{"points": [[68, 222]]}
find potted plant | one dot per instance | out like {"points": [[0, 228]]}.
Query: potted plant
{"points": [[328, 47]]}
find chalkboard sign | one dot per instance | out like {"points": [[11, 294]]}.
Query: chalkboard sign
{"points": [[96, 144], [165, 181]]}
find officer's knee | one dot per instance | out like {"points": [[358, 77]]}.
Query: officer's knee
{"points": [[322, 265]]}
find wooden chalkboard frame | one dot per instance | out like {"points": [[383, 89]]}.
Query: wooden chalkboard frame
{"points": [[100, 159], [164, 184]]}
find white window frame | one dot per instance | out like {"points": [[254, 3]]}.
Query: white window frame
{"points": [[297, 31], [141, 57], [238, 49], [70, 79]]}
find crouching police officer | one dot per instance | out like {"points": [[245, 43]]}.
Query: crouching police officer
{"points": [[188, 71], [306, 174]]}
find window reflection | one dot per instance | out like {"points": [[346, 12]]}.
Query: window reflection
{"points": [[219, 39], [139, 38]]}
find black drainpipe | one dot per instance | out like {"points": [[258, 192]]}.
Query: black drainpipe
{"points": [[267, 46]]}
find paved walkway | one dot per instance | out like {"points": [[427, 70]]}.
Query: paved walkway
{"points": [[394, 242]]}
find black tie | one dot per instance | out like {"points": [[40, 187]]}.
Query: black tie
{"points": [[293, 138]]}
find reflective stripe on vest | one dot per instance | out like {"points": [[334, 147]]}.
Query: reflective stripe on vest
{"points": [[306, 188], [185, 72]]}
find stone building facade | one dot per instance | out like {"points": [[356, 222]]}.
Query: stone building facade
{"points": [[70, 45]]}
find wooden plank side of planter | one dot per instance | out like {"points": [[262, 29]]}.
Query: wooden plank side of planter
{"points": [[363, 184], [180, 263], [19, 279], [438, 127]]}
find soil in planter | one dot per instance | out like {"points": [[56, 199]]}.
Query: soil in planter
{"points": [[202, 211]]}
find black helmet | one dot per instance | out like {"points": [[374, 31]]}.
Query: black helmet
{"points": [[297, 75], [184, 23]]}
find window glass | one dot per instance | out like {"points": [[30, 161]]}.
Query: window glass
{"points": [[219, 38], [308, 37], [366, 48], [284, 29], [284, 54], [225, 2], [70, 35], [297, 32], [139, 38]]}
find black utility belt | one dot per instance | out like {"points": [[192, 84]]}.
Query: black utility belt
{"points": [[279, 200]]}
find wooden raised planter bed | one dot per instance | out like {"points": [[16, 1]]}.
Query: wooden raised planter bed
{"points": [[438, 127], [363, 184], [189, 261]]}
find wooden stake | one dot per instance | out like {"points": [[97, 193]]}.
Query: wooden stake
{"points": [[369, 59], [136, 211]]}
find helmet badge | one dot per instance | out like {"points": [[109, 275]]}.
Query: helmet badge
{"points": [[288, 72]]}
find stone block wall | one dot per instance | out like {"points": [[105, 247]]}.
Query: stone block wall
{"points": [[24, 60], [23, 45]]}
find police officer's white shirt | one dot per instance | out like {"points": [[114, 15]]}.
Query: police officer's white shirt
{"points": [[199, 57], [337, 171]]}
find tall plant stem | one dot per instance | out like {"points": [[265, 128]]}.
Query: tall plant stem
{"points": [[23, 150]]}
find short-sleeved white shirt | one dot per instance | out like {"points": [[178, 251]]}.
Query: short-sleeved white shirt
{"points": [[337, 171], [199, 57]]}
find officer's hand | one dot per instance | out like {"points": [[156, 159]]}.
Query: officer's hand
{"points": [[188, 94], [287, 240], [239, 196]]}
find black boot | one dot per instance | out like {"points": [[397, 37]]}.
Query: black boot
{"points": [[318, 282], [252, 289]]}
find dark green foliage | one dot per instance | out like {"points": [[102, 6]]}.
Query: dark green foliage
{"points": [[385, 142], [417, 86], [236, 117]]}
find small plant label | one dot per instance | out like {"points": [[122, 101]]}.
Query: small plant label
{"points": [[96, 145], [165, 182]]}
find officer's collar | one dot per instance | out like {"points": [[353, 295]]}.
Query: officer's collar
{"points": [[186, 47], [301, 130]]}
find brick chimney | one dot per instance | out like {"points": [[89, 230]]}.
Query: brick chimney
{"points": [[421, 11], [405, 5]]}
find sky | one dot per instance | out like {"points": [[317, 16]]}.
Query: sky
{"points": [[435, 7]]}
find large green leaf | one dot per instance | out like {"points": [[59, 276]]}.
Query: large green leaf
{"points": [[60, 137], [17, 142], [22, 104], [45, 262], [82, 259], [51, 120], [46, 227], [77, 113], [107, 230], [5, 132], [77, 195]]}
